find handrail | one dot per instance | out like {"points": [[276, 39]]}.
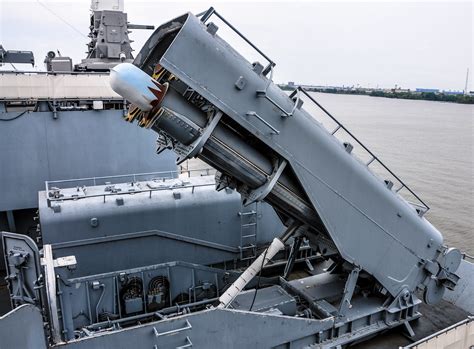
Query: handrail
{"points": [[41, 72], [172, 174], [437, 334], [211, 11], [159, 175], [466, 255], [374, 157], [95, 179], [150, 191], [269, 68]]}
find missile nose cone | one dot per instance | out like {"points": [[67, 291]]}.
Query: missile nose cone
{"points": [[136, 86]]}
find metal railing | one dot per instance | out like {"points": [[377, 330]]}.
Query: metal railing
{"points": [[440, 333], [211, 11], [467, 256], [423, 207], [42, 72], [104, 179], [133, 177], [120, 179]]}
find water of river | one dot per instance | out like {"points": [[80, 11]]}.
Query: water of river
{"points": [[429, 145]]}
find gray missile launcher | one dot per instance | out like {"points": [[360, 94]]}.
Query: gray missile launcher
{"points": [[354, 258]]}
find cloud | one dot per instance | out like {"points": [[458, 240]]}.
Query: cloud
{"points": [[422, 44]]}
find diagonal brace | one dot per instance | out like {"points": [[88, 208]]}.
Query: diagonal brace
{"points": [[261, 192], [348, 292], [197, 145]]}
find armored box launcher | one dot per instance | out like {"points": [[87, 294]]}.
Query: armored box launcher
{"points": [[375, 250], [227, 111], [145, 219]]}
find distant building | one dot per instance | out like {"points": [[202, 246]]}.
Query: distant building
{"points": [[432, 90], [453, 92], [291, 83], [402, 90]]}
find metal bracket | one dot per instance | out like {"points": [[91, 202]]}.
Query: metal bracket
{"points": [[403, 300], [163, 142], [66, 261], [261, 192], [348, 292], [53, 106], [19, 292], [252, 113], [263, 93], [295, 247], [409, 329], [197, 145]]}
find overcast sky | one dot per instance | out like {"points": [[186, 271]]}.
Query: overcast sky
{"points": [[411, 44]]}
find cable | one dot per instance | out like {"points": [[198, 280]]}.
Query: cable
{"points": [[61, 19], [258, 282], [15, 117]]}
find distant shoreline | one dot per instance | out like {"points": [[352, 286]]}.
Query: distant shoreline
{"points": [[397, 94]]}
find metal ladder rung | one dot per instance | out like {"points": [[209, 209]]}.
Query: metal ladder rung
{"points": [[247, 258], [247, 247], [248, 234], [247, 213]]}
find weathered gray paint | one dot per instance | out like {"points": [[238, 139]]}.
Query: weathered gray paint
{"points": [[22, 328], [36, 148], [337, 188], [214, 329], [226, 328], [22, 268], [371, 226], [463, 295], [81, 304], [204, 225]]}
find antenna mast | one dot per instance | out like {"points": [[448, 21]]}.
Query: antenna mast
{"points": [[467, 80]]}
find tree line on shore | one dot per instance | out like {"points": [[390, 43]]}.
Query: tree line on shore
{"points": [[427, 96]]}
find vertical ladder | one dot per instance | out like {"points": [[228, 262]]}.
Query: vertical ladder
{"points": [[248, 232]]}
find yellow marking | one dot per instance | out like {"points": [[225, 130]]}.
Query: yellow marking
{"points": [[144, 119], [133, 111], [158, 74], [152, 119]]}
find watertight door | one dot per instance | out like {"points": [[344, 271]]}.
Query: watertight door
{"points": [[22, 262]]}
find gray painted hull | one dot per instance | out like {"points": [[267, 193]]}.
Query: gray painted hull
{"points": [[78, 144]]}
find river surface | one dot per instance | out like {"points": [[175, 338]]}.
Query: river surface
{"points": [[429, 145]]}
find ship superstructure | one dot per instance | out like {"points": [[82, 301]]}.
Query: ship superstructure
{"points": [[45, 117], [162, 260]]}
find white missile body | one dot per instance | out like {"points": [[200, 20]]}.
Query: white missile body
{"points": [[229, 295], [134, 85]]}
